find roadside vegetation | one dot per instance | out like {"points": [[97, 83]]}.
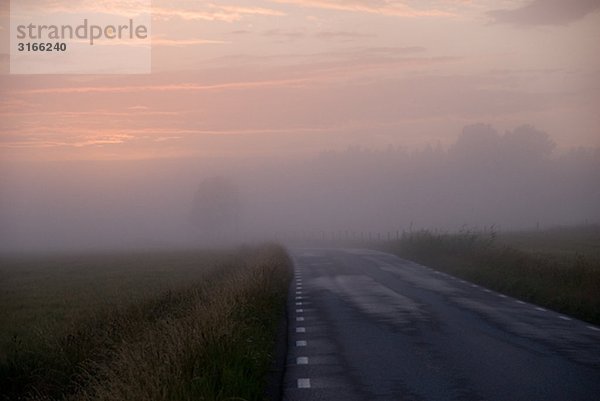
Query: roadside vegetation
{"points": [[558, 268], [147, 326]]}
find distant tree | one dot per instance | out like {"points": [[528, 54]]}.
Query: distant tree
{"points": [[481, 145], [478, 145], [216, 206], [527, 143]]}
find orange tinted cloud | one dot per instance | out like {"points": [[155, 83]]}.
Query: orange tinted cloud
{"points": [[389, 8], [163, 88], [158, 41], [213, 13], [189, 11]]}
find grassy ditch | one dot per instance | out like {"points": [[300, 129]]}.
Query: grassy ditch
{"points": [[163, 326], [557, 268]]}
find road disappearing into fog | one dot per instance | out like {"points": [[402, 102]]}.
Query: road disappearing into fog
{"points": [[366, 325]]}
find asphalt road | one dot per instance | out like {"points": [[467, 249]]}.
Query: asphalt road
{"points": [[365, 325]]}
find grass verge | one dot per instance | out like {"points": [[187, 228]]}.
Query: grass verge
{"points": [[207, 337], [564, 276]]}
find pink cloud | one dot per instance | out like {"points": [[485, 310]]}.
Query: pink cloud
{"points": [[213, 12], [385, 7], [185, 87]]}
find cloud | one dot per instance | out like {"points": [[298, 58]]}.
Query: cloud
{"points": [[51, 139], [131, 8], [178, 87], [295, 71], [185, 42], [292, 35], [132, 112], [546, 12], [342, 35], [252, 10], [214, 13], [284, 35], [14, 105], [78, 137], [382, 7]]}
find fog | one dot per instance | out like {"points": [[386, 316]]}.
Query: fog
{"points": [[510, 180]]}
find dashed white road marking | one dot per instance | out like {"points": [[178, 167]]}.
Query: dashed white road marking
{"points": [[474, 286], [300, 329], [520, 302], [502, 296], [299, 297], [299, 292], [302, 360], [593, 328], [299, 310], [303, 383], [564, 318], [298, 303], [486, 290], [301, 343], [540, 309], [300, 319]]}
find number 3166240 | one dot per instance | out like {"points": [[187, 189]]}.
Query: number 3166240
{"points": [[42, 47]]}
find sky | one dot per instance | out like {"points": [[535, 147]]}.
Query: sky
{"points": [[293, 77], [323, 115]]}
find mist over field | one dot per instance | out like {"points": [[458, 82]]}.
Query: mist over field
{"points": [[511, 180]]}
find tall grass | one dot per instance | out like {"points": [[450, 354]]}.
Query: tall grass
{"points": [[209, 340], [564, 280]]}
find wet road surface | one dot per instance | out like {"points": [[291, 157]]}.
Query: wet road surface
{"points": [[366, 325]]}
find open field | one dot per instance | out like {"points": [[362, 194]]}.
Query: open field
{"points": [[558, 268], [569, 242], [146, 326]]}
